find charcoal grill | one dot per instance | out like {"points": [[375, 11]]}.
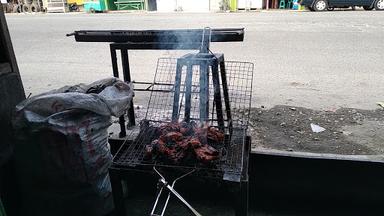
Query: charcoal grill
{"points": [[161, 109], [200, 87]]}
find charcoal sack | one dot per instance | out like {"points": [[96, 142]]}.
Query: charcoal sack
{"points": [[62, 155]]}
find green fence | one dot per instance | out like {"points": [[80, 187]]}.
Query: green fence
{"points": [[130, 4]]}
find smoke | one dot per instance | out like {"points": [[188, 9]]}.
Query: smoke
{"points": [[179, 39]]}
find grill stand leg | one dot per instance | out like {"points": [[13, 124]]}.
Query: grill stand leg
{"points": [[115, 70], [160, 191], [204, 93], [241, 199], [240, 196], [170, 188], [241, 189], [117, 192], [217, 96], [176, 96], [188, 90], [127, 78], [225, 93]]}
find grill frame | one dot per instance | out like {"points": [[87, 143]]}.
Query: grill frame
{"points": [[230, 166], [131, 156]]}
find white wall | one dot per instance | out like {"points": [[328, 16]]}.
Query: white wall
{"points": [[188, 5], [215, 5], [166, 5], [248, 4], [193, 5]]}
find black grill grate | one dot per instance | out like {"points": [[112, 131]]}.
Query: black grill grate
{"points": [[239, 79], [132, 156]]}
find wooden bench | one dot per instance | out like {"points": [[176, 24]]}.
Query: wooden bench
{"points": [[130, 4]]}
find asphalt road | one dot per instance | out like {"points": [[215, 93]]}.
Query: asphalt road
{"points": [[314, 60]]}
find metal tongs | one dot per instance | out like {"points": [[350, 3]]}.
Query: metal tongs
{"points": [[163, 184]]}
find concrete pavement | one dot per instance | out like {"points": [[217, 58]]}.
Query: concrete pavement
{"points": [[315, 60]]}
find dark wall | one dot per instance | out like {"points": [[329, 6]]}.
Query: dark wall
{"points": [[2, 54], [11, 89], [292, 184], [11, 93]]}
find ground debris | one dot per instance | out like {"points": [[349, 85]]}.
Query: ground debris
{"points": [[278, 129], [316, 128], [381, 104]]}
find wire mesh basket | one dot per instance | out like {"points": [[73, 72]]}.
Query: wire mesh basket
{"points": [[239, 79], [160, 110]]}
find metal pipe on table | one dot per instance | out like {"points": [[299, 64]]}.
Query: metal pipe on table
{"points": [[170, 36], [206, 38]]}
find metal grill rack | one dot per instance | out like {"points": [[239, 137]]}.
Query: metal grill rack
{"points": [[160, 105], [230, 165]]}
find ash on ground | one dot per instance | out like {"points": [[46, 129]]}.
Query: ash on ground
{"points": [[348, 131]]}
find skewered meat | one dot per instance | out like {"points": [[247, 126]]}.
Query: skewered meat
{"points": [[209, 133], [177, 141], [187, 129], [171, 127], [194, 143], [172, 137], [206, 153], [215, 134]]}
